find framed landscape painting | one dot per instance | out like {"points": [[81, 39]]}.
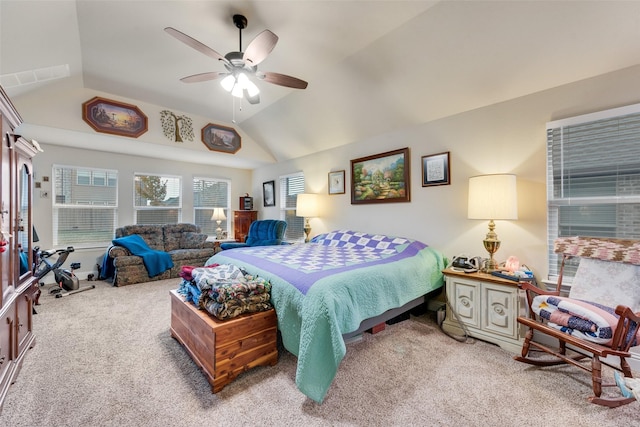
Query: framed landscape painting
{"points": [[381, 178], [221, 138], [116, 118]]}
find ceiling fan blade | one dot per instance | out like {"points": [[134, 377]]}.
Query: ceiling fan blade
{"points": [[283, 80], [203, 77], [260, 47], [252, 99], [190, 41]]}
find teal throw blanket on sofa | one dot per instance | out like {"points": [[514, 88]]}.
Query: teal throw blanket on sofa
{"points": [[155, 261]]}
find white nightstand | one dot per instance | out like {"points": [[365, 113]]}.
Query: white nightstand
{"points": [[487, 305]]}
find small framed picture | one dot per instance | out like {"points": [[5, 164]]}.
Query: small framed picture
{"points": [[435, 169], [269, 193], [336, 182]]}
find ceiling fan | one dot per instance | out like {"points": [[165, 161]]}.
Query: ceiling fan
{"points": [[240, 65]]}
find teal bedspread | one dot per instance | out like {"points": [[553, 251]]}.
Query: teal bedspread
{"points": [[326, 288]]}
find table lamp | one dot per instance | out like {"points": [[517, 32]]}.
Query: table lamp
{"points": [[218, 216], [307, 206], [492, 197]]}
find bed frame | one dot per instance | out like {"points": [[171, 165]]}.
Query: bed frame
{"points": [[376, 324]]}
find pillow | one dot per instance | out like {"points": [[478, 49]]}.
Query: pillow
{"points": [[607, 283], [191, 240]]}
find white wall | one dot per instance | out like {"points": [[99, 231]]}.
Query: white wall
{"points": [[508, 137], [126, 166], [504, 138]]}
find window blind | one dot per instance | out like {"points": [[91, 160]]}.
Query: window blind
{"points": [[85, 204], [157, 199], [208, 194], [290, 186], [593, 177]]}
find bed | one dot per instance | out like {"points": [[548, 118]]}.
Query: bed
{"points": [[329, 287]]}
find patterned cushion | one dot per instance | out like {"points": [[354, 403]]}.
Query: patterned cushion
{"points": [[608, 283], [152, 234], [192, 240], [608, 249], [173, 235]]}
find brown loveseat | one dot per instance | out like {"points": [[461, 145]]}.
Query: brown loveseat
{"points": [[183, 242]]}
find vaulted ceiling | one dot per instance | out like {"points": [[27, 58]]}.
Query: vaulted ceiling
{"points": [[372, 66]]}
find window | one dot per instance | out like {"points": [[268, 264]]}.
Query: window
{"points": [[209, 194], [290, 186], [593, 178], [84, 208], [157, 199]]}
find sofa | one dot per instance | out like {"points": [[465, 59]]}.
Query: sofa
{"points": [[183, 242]]}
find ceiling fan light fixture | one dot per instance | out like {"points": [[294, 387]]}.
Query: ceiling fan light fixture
{"points": [[228, 82], [240, 65], [252, 89], [237, 91]]}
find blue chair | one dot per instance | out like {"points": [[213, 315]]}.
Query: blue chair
{"points": [[263, 232]]}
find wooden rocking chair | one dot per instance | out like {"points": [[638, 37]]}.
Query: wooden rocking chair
{"points": [[610, 277]]}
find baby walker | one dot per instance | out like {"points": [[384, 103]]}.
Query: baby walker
{"points": [[67, 283]]}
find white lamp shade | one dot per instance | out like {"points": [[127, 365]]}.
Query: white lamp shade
{"points": [[493, 197], [307, 205], [218, 214]]}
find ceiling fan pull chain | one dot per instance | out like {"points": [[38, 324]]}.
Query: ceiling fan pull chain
{"points": [[233, 109]]}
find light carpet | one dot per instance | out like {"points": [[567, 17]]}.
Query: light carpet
{"points": [[105, 357]]}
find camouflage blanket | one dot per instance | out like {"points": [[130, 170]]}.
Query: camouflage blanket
{"points": [[225, 291]]}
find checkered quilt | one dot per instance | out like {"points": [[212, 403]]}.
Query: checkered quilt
{"points": [[327, 254]]}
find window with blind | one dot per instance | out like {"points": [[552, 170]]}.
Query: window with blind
{"points": [[85, 206], [593, 178], [157, 199], [209, 194], [290, 186]]}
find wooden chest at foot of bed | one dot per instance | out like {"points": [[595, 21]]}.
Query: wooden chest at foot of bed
{"points": [[224, 349]]}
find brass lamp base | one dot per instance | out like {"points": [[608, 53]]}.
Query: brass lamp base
{"points": [[492, 247], [491, 244], [307, 230]]}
